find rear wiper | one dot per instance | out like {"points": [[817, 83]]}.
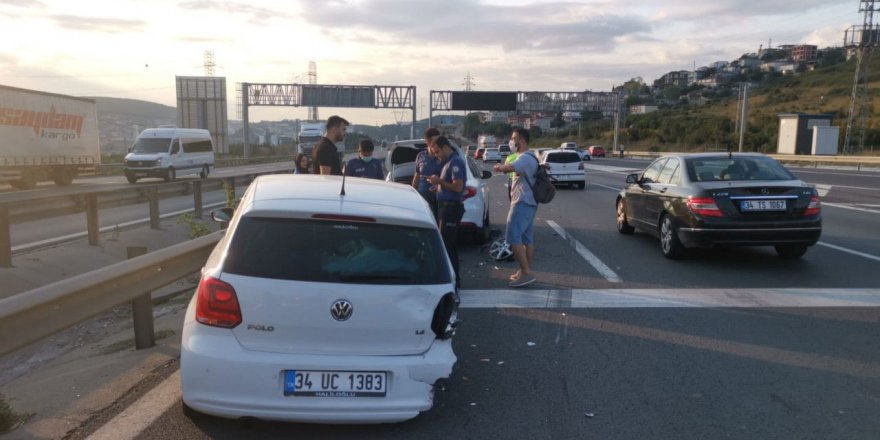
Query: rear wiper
{"points": [[368, 277]]}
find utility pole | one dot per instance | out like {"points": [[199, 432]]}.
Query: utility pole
{"points": [[209, 63], [313, 79], [862, 39], [616, 122], [468, 83], [744, 119]]}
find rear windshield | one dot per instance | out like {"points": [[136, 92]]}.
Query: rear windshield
{"points": [[151, 145], [562, 157], [736, 168], [336, 252]]}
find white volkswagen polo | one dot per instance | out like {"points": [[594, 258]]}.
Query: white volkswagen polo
{"points": [[321, 305]]}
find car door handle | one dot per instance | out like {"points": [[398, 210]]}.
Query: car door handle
{"points": [[663, 190]]}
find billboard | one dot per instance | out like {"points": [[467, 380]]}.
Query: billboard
{"points": [[338, 96], [493, 101], [201, 103]]}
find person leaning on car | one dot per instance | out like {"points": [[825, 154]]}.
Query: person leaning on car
{"points": [[450, 188], [325, 157], [427, 164], [363, 165]]}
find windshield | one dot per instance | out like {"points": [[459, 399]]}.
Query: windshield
{"points": [[309, 139], [337, 252], [736, 168], [151, 145]]}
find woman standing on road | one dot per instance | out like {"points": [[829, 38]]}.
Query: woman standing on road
{"points": [[301, 164]]}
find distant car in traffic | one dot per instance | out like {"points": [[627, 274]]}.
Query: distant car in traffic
{"points": [[306, 308], [568, 146], [715, 199], [479, 153], [565, 167], [470, 150], [492, 155], [596, 151], [504, 150]]}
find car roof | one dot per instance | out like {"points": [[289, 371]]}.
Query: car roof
{"points": [[303, 195], [712, 155]]}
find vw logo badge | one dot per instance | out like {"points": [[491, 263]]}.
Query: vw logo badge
{"points": [[341, 310], [765, 191]]}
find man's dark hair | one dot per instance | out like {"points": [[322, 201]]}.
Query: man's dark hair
{"points": [[431, 132], [441, 142], [366, 146], [335, 121], [523, 134]]}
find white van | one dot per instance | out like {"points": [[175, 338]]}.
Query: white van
{"points": [[169, 152]]}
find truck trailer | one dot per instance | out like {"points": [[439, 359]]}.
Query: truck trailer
{"points": [[46, 136]]}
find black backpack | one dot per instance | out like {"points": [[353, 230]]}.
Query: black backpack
{"points": [[543, 188]]}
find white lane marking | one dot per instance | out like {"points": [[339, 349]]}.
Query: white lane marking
{"points": [[822, 189], [594, 261], [658, 298], [849, 251], [605, 186], [141, 414], [850, 207]]}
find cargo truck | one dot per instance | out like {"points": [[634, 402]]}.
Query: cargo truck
{"points": [[46, 136], [309, 135]]}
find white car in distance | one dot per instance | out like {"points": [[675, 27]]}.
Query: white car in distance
{"points": [[321, 307], [565, 167]]}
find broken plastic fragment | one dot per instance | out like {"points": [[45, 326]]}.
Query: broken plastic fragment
{"points": [[531, 344], [590, 415], [500, 362], [485, 360]]}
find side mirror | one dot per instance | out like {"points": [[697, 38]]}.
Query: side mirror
{"points": [[222, 215], [487, 174], [632, 178]]}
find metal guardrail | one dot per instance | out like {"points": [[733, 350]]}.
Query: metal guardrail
{"points": [[13, 208], [30, 316], [116, 168]]}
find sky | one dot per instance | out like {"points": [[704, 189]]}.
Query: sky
{"points": [[134, 48]]}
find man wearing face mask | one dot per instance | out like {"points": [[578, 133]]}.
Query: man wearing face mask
{"points": [[364, 165], [523, 208], [325, 156]]}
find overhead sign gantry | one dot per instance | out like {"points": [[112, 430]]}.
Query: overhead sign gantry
{"points": [[324, 95]]}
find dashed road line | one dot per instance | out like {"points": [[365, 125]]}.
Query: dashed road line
{"points": [[606, 186], [594, 261], [849, 251], [141, 414], [850, 207]]}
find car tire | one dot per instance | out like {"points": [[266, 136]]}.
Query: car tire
{"points": [[482, 235], [581, 185], [191, 413], [204, 173], [790, 251], [131, 178], [670, 245], [170, 175], [623, 225]]}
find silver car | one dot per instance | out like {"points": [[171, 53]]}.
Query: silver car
{"points": [[400, 164]]}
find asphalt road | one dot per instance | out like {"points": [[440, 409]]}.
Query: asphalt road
{"points": [[655, 372]]}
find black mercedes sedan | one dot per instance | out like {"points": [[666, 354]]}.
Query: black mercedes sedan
{"points": [[720, 199]]}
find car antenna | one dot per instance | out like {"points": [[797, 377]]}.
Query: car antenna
{"points": [[729, 154], [342, 191]]}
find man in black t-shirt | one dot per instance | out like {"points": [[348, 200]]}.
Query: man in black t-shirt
{"points": [[325, 157]]}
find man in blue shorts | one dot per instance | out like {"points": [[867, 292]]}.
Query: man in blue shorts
{"points": [[523, 207], [450, 189]]}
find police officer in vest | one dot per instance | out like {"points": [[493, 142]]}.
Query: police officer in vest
{"points": [[450, 188]]}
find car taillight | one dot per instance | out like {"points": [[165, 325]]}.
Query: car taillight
{"points": [[815, 207], [469, 192], [217, 304], [446, 316], [704, 206]]}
